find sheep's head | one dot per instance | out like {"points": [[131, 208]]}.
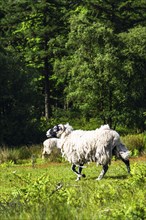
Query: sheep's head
{"points": [[56, 131]]}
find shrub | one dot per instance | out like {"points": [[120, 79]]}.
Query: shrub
{"points": [[17, 154], [24, 153], [9, 155], [136, 143], [55, 156]]}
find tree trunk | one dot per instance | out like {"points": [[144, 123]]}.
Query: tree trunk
{"points": [[110, 109], [47, 89], [46, 70]]}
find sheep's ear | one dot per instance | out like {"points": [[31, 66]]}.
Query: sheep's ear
{"points": [[68, 126]]}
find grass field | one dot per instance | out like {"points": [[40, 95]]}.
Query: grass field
{"points": [[48, 191]]}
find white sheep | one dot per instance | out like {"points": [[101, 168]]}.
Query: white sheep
{"points": [[80, 147], [49, 145]]}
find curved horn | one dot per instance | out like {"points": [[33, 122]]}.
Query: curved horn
{"points": [[61, 127]]}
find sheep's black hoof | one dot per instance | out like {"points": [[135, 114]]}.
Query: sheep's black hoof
{"points": [[83, 175]]}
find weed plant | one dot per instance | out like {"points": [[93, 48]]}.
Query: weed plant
{"points": [[50, 192]]}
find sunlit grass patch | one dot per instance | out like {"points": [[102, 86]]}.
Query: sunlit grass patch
{"points": [[49, 191]]}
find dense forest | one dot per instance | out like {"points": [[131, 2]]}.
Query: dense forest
{"points": [[71, 61]]}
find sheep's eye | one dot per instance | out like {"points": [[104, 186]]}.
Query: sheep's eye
{"points": [[55, 128], [59, 128]]}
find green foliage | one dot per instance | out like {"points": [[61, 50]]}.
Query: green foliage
{"points": [[9, 155], [19, 155], [98, 62], [136, 143], [17, 106], [63, 60], [134, 54], [25, 152], [52, 193]]}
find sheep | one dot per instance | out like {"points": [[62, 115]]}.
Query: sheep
{"points": [[49, 145], [80, 147]]}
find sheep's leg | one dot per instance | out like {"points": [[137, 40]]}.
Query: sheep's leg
{"points": [[74, 170], [80, 170], [103, 172], [79, 175], [127, 163]]}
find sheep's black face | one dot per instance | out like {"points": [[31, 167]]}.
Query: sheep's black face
{"points": [[52, 132], [48, 133], [55, 132]]}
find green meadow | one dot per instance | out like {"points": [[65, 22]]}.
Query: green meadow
{"points": [[48, 191]]}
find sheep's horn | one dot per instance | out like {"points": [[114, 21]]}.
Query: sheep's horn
{"points": [[61, 127]]}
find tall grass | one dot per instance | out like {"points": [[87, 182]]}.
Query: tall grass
{"points": [[17, 154], [136, 143], [7, 154]]}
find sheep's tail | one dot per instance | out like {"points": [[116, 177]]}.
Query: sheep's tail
{"points": [[105, 127], [120, 148], [123, 151]]}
